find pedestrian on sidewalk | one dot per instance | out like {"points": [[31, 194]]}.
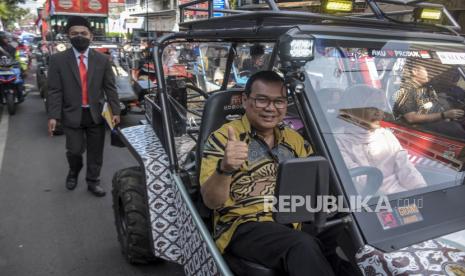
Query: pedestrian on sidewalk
{"points": [[79, 79]]}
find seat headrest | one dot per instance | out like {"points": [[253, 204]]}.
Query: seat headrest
{"points": [[220, 108]]}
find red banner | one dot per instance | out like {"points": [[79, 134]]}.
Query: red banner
{"points": [[188, 13], [81, 6], [94, 6], [68, 6]]}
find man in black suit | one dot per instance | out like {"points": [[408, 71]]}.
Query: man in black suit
{"points": [[78, 80]]}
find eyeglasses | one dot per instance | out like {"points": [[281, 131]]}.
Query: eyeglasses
{"points": [[262, 102]]}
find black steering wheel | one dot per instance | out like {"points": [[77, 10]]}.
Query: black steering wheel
{"points": [[245, 73], [196, 89], [374, 179]]}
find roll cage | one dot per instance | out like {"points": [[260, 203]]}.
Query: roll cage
{"points": [[380, 17], [269, 26], [272, 26]]}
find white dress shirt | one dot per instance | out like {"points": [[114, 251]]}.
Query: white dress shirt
{"points": [[86, 59], [78, 54]]}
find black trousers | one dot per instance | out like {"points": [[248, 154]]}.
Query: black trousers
{"points": [[281, 248], [91, 137]]}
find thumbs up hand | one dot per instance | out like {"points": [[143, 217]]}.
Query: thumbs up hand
{"points": [[235, 153]]}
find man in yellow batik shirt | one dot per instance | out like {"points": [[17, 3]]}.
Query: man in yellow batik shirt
{"points": [[238, 174]]}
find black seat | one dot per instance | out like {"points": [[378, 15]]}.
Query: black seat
{"points": [[220, 108], [217, 107]]}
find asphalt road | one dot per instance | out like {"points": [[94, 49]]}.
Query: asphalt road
{"points": [[44, 228]]}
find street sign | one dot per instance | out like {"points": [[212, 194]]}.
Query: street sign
{"points": [[218, 4]]}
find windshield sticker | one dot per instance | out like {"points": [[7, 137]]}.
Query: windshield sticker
{"points": [[388, 220], [451, 57], [399, 54], [409, 214], [235, 103], [399, 216]]}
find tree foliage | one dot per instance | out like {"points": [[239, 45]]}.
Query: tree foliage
{"points": [[11, 12]]}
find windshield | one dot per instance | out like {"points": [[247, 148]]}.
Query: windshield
{"points": [[212, 64], [393, 111], [250, 58], [208, 61]]}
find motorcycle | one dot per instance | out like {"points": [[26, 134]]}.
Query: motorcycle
{"points": [[24, 57], [42, 55], [144, 80], [10, 83], [24, 61]]}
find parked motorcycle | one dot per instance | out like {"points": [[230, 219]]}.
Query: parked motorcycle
{"points": [[131, 99], [144, 80], [23, 56], [10, 83], [42, 55]]}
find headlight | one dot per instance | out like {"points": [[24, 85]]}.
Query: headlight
{"points": [[331, 6], [428, 14], [5, 61], [296, 50], [301, 48]]}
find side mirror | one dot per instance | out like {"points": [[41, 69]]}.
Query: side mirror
{"points": [[301, 178]]}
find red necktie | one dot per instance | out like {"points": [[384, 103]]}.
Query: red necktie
{"points": [[83, 74]]}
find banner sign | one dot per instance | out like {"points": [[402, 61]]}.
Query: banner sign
{"points": [[453, 58], [218, 4], [422, 54], [81, 6], [94, 6]]}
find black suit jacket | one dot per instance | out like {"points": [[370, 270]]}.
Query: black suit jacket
{"points": [[9, 49], [64, 97]]}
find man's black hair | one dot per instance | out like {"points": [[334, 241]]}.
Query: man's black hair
{"points": [[77, 21], [257, 50], [264, 76]]}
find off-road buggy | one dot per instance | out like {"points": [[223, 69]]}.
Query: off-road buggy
{"points": [[324, 59]]}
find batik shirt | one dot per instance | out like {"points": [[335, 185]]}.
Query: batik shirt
{"points": [[255, 181], [418, 99]]}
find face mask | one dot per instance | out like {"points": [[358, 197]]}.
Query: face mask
{"points": [[80, 43]]}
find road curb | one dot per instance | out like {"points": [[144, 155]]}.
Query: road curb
{"points": [[3, 134]]}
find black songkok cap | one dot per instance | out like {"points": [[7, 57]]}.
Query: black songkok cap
{"points": [[77, 21]]}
